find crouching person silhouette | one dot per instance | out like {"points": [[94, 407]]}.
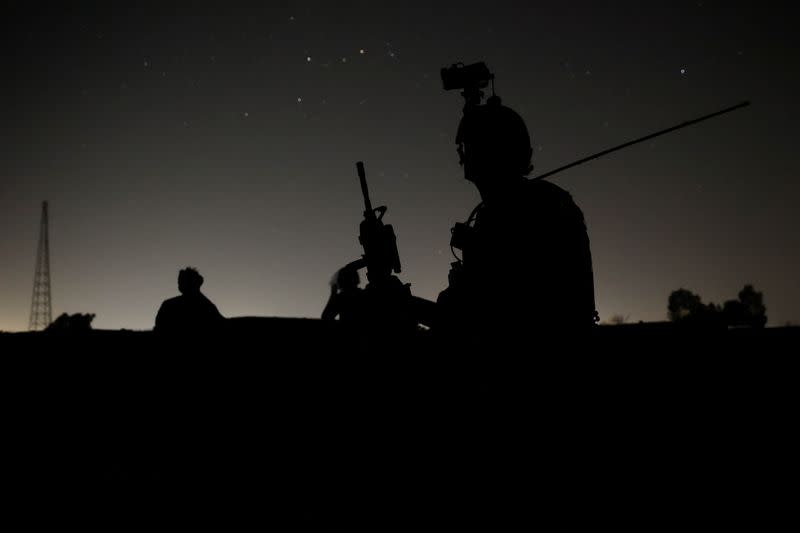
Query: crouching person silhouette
{"points": [[346, 300], [192, 311]]}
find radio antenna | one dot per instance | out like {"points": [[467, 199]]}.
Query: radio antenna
{"points": [[642, 139]]}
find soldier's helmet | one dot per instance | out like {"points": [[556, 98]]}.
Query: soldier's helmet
{"points": [[493, 141]]}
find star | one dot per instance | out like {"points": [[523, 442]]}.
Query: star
{"points": [[299, 99], [308, 59], [361, 51], [246, 114], [683, 71]]}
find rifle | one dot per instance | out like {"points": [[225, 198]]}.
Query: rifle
{"points": [[378, 239]]}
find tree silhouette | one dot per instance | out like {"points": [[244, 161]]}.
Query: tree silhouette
{"points": [[618, 320], [748, 310], [683, 305], [75, 323]]}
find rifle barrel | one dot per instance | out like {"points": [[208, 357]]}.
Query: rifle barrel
{"points": [[642, 139], [362, 176]]}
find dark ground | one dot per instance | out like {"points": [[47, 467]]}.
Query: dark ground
{"points": [[304, 424]]}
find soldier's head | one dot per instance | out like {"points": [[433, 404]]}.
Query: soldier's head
{"points": [[189, 281], [347, 278], [493, 144]]}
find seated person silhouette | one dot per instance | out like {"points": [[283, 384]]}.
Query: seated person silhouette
{"points": [[191, 311], [346, 300]]}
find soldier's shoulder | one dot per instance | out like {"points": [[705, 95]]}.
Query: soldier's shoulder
{"points": [[172, 302], [544, 187], [545, 193]]}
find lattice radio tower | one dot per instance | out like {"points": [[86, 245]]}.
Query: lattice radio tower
{"points": [[41, 311]]}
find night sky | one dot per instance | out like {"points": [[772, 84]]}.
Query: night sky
{"points": [[226, 138]]}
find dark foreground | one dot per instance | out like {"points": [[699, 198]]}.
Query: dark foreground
{"points": [[301, 424]]}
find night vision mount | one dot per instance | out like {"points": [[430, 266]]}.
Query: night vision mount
{"points": [[470, 79]]}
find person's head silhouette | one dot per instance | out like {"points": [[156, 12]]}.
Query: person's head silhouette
{"points": [[189, 281], [494, 145], [347, 279]]}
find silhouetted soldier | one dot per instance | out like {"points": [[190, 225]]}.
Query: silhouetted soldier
{"points": [[526, 261], [346, 300], [191, 312], [385, 307]]}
